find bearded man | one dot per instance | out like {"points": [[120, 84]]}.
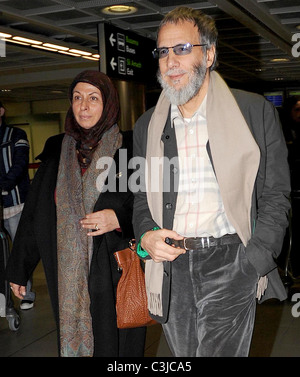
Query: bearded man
{"points": [[211, 210]]}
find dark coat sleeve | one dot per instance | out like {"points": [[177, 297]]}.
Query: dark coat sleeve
{"points": [[104, 273], [271, 204], [25, 256], [117, 195], [36, 234], [142, 219]]}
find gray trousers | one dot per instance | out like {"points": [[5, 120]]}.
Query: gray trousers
{"points": [[213, 303]]}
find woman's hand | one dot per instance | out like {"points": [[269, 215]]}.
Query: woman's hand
{"points": [[18, 290], [101, 221]]}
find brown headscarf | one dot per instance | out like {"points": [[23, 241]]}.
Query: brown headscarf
{"points": [[87, 140]]}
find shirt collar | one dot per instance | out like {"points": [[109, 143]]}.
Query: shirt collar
{"points": [[201, 111]]}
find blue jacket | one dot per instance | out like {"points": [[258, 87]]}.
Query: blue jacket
{"points": [[14, 159]]}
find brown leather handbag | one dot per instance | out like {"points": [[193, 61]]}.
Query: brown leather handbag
{"points": [[131, 300]]}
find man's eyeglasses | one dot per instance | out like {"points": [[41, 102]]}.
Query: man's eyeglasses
{"points": [[181, 49]]}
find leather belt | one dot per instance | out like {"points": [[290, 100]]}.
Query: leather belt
{"points": [[195, 243]]}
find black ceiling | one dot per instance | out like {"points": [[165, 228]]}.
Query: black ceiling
{"points": [[252, 33]]}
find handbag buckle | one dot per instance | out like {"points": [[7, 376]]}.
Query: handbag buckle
{"points": [[132, 245]]}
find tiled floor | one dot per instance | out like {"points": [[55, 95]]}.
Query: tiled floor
{"points": [[277, 330]]}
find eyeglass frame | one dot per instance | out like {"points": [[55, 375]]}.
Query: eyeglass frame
{"points": [[155, 52]]}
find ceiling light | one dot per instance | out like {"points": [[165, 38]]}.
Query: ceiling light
{"points": [[5, 35], [119, 10], [45, 48], [89, 57], [68, 53], [80, 52], [27, 40], [56, 47], [280, 60], [17, 42]]}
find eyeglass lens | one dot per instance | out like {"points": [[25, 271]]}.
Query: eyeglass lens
{"points": [[181, 49]]}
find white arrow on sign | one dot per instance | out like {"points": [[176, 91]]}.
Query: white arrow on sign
{"points": [[112, 39], [113, 64]]}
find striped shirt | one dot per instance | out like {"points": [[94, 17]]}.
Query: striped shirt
{"points": [[199, 208]]}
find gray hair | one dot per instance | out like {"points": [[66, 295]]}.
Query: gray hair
{"points": [[208, 33]]}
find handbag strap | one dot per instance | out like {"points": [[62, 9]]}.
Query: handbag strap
{"points": [[126, 255]]}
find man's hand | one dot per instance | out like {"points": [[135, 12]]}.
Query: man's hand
{"points": [[261, 287], [154, 243]]}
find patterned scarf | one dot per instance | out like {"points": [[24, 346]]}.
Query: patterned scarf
{"points": [[76, 195]]}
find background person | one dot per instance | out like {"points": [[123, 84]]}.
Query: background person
{"points": [[14, 182], [75, 228], [227, 193]]}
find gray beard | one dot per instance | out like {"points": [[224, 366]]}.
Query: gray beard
{"points": [[185, 94]]}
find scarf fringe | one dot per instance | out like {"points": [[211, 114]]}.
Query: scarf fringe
{"points": [[155, 303]]}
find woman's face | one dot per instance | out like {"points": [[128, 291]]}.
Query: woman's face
{"points": [[87, 104]]}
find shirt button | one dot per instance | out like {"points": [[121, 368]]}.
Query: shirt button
{"points": [[169, 206]]}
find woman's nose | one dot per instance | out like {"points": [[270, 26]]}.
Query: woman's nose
{"points": [[83, 104]]}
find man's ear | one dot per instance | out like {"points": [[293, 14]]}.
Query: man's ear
{"points": [[210, 56], [2, 111]]}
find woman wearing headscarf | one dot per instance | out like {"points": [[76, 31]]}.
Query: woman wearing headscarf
{"points": [[76, 216]]}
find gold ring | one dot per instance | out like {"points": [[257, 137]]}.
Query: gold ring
{"points": [[96, 227]]}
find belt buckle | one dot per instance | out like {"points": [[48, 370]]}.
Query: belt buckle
{"points": [[207, 241], [184, 244]]}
